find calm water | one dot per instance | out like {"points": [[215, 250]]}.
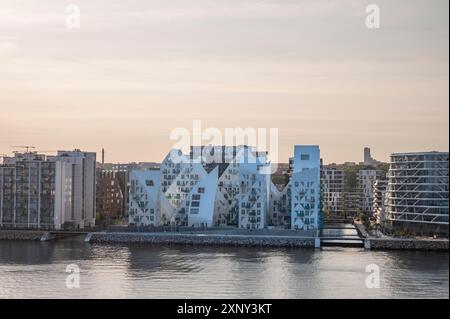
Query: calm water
{"points": [[33, 269]]}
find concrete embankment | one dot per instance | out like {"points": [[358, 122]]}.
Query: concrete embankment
{"points": [[29, 235], [407, 244], [33, 235], [201, 239]]}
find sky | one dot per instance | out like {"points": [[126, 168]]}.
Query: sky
{"points": [[136, 70]]}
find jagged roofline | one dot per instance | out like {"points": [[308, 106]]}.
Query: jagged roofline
{"points": [[274, 186]]}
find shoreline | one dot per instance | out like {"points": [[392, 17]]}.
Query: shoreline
{"points": [[224, 239], [202, 239]]}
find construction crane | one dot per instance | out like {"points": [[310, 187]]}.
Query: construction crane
{"points": [[26, 147]]}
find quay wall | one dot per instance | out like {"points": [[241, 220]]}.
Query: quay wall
{"points": [[407, 244], [29, 235], [206, 240]]}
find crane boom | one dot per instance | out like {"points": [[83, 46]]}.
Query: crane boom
{"points": [[25, 147]]}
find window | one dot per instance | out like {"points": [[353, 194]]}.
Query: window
{"points": [[201, 190], [149, 183], [195, 204], [304, 157], [195, 197]]}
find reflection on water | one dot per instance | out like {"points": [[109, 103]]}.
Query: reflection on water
{"points": [[33, 269]]}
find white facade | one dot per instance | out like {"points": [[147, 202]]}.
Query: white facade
{"points": [[417, 192], [201, 202], [254, 188], [144, 198], [179, 178], [83, 186], [305, 188], [280, 206], [230, 189]]}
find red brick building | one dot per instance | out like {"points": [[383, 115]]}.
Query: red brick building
{"points": [[111, 201]]}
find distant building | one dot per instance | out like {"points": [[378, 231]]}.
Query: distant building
{"points": [[134, 166], [305, 188], [333, 190], [417, 193], [366, 181], [352, 204], [379, 200], [368, 159]]}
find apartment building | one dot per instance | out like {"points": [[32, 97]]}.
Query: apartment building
{"points": [[227, 186], [254, 192], [111, 187], [144, 198], [201, 201], [179, 176], [280, 205], [379, 200], [417, 193], [38, 192], [352, 204], [83, 185], [210, 186], [366, 180], [333, 190], [305, 188]]}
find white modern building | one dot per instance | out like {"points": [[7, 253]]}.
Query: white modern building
{"points": [[417, 192], [180, 178], [227, 186], [280, 206], [144, 199], [212, 186], [201, 201], [305, 188]]}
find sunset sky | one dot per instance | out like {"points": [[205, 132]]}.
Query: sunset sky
{"points": [[137, 69]]}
